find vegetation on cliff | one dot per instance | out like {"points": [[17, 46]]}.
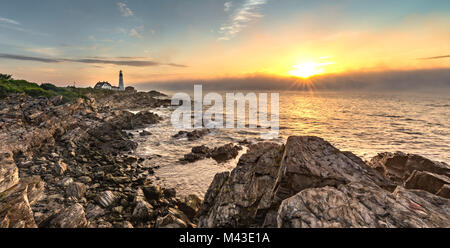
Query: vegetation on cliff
{"points": [[9, 85]]}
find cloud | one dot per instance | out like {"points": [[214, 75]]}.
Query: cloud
{"points": [[28, 58], [436, 57], [48, 51], [135, 33], [8, 21], [125, 10], [122, 61], [16, 26], [228, 6], [177, 65], [240, 18]]}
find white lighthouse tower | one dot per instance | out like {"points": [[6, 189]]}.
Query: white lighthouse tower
{"points": [[121, 85]]}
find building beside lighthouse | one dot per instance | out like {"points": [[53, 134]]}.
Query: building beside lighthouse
{"points": [[108, 86]]}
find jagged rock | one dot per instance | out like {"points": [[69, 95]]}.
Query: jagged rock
{"points": [[174, 219], [220, 154], [211, 194], [126, 224], [201, 150], [94, 211], [65, 182], [106, 199], [270, 173], [190, 206], [399, 166], [193, 135], [143, 211], [60, 168], [225, 153], [192, 157], [76, 190], [9, 173], [152, 192], [16, 202], [311, 162], [71, 217], [169, 193], [242, 198], [358, 205], [427, 181], [145, 133]]}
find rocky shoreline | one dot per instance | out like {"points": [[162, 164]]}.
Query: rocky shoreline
{"points": [[73, 166]]}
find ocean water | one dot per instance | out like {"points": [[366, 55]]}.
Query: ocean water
{"points": [[363, 123]]}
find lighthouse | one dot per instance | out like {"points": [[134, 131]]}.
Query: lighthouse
{"points": [[121, 85]]}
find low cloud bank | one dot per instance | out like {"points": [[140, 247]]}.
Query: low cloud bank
{"points": [[413, 80]]}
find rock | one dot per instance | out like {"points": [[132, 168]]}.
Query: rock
{"points": [[71, 217], [194, 135], [190, 206], [358, 205], [76, 190], [85, 179], [399, 166], [126, 224], [9, 173], [169, 193], [192, 157], [311, 162], [224, 153], [94, 211], [201, 150], [220, 154], [106, 199], [118, 210], [16, 202], [444, 191], [210, 197], [242, 198], [174, 219], [152, 192], [427, 181], [60, 168], [145, 133], [270, 173], [143, 211], [65, 182]]}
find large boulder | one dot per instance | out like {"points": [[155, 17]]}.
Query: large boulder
{"points": [[360, 205], [399, 166]]}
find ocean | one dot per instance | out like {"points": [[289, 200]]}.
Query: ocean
{"points": [[364, 123]]}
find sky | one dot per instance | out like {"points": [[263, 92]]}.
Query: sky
{"points": [[84, 41]]}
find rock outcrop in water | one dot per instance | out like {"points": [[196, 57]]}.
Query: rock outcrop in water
{"points": [[71, 165], [310, 183], [219, 154]]}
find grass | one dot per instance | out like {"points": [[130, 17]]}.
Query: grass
{"points": [[9, 85]]}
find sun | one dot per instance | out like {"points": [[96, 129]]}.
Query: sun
{"points": [[306, 70], [309, 69]]}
